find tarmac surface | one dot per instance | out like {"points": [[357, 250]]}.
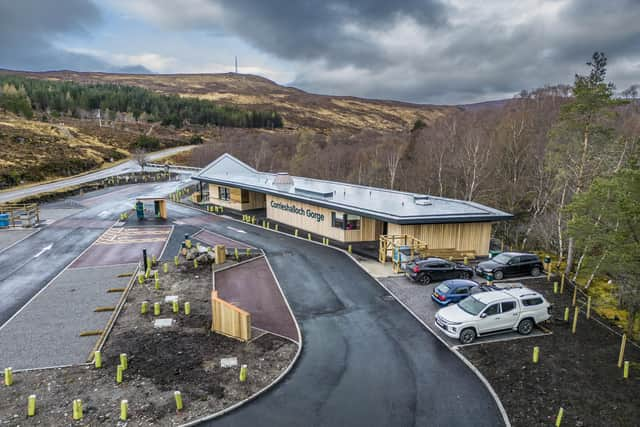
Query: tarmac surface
{"points": [[46, 331], [365, 360], [251, 287], [213, 239]]}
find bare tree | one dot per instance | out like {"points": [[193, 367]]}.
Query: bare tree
{"points": [[140, 157]]}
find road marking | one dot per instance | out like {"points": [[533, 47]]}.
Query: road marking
{"points": [[43, 250], [237, 230], [104, 214]]}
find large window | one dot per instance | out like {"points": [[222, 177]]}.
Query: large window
{"points": [[224, 193], [345, 221]]}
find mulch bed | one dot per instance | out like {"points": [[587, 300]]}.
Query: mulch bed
{"points": [[184, 357], [577, 372]]}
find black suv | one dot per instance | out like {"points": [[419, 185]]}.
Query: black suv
{"points": [[436, 269], [510, 264]]}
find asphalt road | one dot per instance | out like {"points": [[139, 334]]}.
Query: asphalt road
{"points": [[27, 267], [365, 361], [126, 167]]}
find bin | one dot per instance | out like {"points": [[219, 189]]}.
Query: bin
{"points": [[4, 220]]}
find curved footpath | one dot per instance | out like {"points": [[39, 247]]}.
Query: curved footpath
{"points": [[366, 361]]}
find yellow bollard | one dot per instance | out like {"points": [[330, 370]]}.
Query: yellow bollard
{"points": [[349, 248], [187, 308], [575, 320], [243, 373], [536, 354], [77, 409], [555, 287], [146, 273], [562, 283], [188, 243], [566, 314], [141, 278], [97, 359], [276, 227], [124, 407], [309, 236], [296, 232], [156, 309], [268, 225], [123, 361], [588, 306], [248, 252], [620, 357], [119, 372], [559, 417], [157, 284], [165, 268], [465, 260], [195, 263], [235, 253], [625, 372], [153, 260], [178, 397], [175, 260], [155, 274], [149, 262], [176, 307], [8, 376], [31, 405], [549, 273]]}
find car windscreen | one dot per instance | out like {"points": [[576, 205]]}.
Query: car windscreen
{"points": [[472, 306], [442, 289], [501, 258]]}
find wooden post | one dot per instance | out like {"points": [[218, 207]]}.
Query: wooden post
{"points": [[575, 320], [575, 294], [536, 354], [562, 283], [622, 346], [588, 306]]}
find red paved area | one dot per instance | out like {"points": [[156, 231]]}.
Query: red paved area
{"points": [[212, 239], [124, 245], [251, 286]]}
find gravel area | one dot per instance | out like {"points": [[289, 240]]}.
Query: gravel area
{"points": [[46, 331]]}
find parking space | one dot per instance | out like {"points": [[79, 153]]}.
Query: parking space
{"points": [[418, 298], [122, 245], [46, 331]]}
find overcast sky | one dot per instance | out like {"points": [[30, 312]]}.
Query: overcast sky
{"points": [[428, 51]]}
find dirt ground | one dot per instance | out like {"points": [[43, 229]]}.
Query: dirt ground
{"points": [[184, 357], [577, 372]]}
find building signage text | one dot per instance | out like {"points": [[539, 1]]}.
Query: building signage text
{"points": [[298, 211]]}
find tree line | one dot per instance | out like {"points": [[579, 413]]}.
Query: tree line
{"points": [[23, 96]]}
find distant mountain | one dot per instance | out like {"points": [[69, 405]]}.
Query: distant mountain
{"points": [[300, 109]]}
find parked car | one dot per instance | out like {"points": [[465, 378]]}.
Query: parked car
{"points": [[452, 291], [518, 309], [430, 270], [510, 264]]}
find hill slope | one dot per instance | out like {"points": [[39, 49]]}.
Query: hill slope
{"points": [[299, 109]]}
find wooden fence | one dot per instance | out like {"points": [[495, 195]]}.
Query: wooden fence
{"points": [[227, 319]]}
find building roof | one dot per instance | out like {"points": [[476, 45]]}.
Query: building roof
{"points": [[379, 203]]}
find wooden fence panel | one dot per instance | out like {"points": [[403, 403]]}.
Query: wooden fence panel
{"points": [[227, 319]]}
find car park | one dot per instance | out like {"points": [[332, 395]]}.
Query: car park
{"points": [[429, 270], [452, 291], [510, 264], [485, 313]]}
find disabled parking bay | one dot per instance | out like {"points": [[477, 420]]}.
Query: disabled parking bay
{"points": [[418, 298], [46, 331], [123, 245]]}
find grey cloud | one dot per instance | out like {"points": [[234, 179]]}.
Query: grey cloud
{"points": [[27, 28]]}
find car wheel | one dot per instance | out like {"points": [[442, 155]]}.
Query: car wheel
{"points": [[535, 271], [467, 336], [498, 275], [525, 326], [464, 275], [425, 279]]}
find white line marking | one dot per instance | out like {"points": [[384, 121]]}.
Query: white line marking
{"points": [[43, 250], [237, 230]]}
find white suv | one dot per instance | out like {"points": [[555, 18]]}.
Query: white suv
{"points": [[485, 313]]}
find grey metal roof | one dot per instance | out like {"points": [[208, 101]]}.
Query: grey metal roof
{"points": [[386, 205]]}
